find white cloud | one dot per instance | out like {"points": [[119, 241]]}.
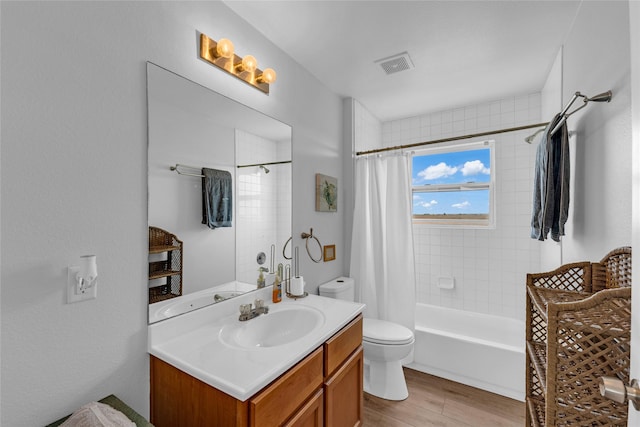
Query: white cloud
{"points": [[426, 204], [474, 167], [461, 205], [441, 170]]}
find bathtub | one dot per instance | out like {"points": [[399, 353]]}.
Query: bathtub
{"points": [[189, 302], [480, 350]]}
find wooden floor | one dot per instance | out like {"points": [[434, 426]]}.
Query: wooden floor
{"points": [[435, 401]]}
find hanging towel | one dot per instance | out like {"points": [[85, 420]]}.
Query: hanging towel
{"points": [[551, 183], [216, 198]]}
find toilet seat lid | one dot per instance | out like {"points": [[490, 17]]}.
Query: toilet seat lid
{"points": [[383, 332]]}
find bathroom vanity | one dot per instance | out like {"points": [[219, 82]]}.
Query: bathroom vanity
{"points": [[207, 368]]}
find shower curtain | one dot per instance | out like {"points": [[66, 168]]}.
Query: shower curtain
{"points": [[382, 260]]}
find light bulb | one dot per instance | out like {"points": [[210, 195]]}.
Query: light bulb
{"points": [[268, 76], [249, 63], [225, 48]]}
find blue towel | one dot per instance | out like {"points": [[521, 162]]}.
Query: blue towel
{"points": [[551, 183], [217, 199]]}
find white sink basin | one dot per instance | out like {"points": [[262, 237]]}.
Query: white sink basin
{"points": [[285, 323]]}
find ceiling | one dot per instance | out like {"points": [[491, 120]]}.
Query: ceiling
{"points": [[463, 52]]}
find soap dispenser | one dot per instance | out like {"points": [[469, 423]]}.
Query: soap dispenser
{"points": [[261, 281], [277, 286]]}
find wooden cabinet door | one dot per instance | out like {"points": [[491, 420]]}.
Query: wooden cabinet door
{"points": [[277, 402], [178, 399], [310, 415], [343, 397]]}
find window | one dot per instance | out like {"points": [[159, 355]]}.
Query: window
{"points": [[453, 186]]}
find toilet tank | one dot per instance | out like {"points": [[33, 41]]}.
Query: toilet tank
{"points": [[338, 288]]}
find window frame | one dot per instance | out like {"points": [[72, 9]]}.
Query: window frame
{"points": [[441, 221]]}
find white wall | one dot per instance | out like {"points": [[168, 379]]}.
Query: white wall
{"points": [[488, 265], [368, 129], [74, 181], [596, 59]]}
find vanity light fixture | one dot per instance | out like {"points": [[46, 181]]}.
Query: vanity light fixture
{"points": [[82, 282], [222, 55], [248, 64]]}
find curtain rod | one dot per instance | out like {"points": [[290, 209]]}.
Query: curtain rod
{"points": [[453, 138]]}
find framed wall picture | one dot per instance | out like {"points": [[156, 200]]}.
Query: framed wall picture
{"points": [[326, 193], [329, 253]]}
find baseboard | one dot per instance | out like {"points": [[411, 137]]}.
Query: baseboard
{"points": [[473, 382]]}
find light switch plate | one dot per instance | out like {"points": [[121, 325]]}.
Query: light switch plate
{"points": [[72, 283]]}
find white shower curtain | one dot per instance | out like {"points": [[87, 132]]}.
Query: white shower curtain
{"points": [[382, 261]]}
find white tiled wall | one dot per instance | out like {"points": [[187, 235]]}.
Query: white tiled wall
{"points": [[263, 203], [488, 265], [367, 129]]}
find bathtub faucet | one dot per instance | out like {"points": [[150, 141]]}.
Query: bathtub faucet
{"points": [[247, 313]]}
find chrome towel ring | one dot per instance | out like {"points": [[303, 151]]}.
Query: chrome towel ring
{"points": [[308, 236]]}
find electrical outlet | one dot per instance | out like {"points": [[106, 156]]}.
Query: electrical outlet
{"points": [[74, 294]]}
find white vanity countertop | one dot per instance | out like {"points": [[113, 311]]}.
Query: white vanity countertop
{"points": [[191, 342]]}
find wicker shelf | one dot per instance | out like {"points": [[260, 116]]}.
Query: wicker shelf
{"points": [[163, 248], [538, 356], [541, 297], [170, 269], [162, 274], [578, 323], [535, 406]]}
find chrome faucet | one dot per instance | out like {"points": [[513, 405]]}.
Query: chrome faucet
{"points": [[247, 313]]}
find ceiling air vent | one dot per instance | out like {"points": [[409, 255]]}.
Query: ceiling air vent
{"points": [[396, 63]]}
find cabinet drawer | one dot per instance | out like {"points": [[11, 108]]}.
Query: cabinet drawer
{"points": [[340, 346], [311, 415], [273, 405]]}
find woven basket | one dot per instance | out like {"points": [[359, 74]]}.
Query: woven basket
{"points": [[578, 323], [613, 271], [592, 340]]}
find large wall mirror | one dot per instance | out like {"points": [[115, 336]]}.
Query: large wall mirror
{"points": [[199, 256]]}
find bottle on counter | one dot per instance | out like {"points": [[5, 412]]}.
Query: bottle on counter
{"points": [[277, 286]]}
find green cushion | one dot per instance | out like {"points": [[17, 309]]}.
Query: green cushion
{"points": [[118, 404]]}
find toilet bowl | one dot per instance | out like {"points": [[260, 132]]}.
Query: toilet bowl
{"points": [[385, 344]]}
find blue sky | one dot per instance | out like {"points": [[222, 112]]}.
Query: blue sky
{"points": [[449, 168]]}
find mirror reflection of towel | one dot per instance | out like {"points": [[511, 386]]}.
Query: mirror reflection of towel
{"points": [[217, 199]]}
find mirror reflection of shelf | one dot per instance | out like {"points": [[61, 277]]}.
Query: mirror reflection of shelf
{"points": [[165, 262]]}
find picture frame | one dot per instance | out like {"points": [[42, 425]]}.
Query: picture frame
{"points": [[329, 253], [326, 193]]}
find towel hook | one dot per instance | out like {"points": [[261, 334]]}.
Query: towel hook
{"points": [[284, 249], [307, 237]]}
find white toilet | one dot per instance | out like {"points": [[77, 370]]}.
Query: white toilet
{"points": [[385, 345]]}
